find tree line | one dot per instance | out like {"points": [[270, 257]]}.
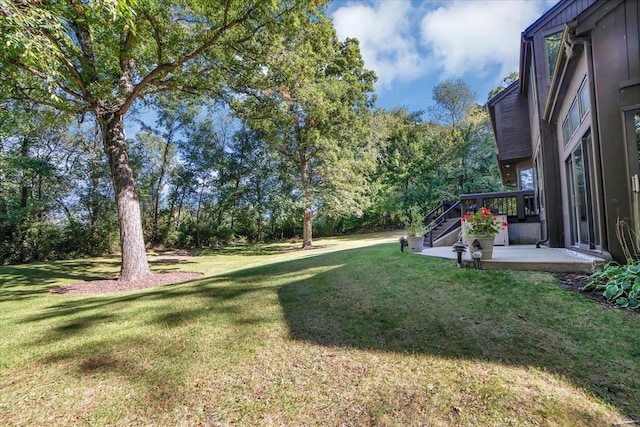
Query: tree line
{"points": [[264, 128]]}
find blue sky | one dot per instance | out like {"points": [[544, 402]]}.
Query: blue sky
{"points": [[413, 45]]}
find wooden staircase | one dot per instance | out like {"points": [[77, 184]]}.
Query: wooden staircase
{"points": [[442, 220], [440, 230]]}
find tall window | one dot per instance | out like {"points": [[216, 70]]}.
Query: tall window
{"points": [[538, 181], [584, 233], [583, 96], [526, 179], [633, 137], [576, 114], [552, 46]]}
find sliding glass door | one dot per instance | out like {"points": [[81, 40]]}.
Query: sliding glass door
{"points": [[583, 226], [632, 119]]}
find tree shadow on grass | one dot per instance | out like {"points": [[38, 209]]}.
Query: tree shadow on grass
{"points": [[19, 282], [379, 299], [478, 315]]}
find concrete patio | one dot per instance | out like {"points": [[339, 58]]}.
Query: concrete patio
{"points": [[523, 257]]}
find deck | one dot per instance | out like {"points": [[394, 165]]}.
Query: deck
{"points": [[524, 257]]}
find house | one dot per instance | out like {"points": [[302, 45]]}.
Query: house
{"points": [[569, 128]]}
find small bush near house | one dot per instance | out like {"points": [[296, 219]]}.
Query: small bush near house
{"points": [[618, 283]]}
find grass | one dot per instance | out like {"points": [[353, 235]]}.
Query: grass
{"points": [[356, 333]]}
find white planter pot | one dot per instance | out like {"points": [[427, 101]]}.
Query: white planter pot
{"points": [[416, 243]]}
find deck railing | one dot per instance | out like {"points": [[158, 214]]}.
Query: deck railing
{"points": [[517, 205]]}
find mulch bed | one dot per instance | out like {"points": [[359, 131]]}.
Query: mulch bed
{"points": [[112, 284], [574, 282], [300, 248]]}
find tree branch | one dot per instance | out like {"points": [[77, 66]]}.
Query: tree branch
{"points": [[157, 35], [42, 76], [77, 77], [83, 34], [161, 69]]}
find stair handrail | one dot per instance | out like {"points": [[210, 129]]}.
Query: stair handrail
{"points": [[445, 214], [440, 219], [437, 208]]}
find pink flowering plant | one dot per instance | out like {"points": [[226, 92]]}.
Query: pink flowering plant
{"points": [[483, 223]]}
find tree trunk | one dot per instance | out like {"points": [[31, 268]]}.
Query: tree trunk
{"points": [[134, 257], [155, 234], [307, 221], [198, 207], [259, 220], [25, 216], [4, 230], [307, 229]]}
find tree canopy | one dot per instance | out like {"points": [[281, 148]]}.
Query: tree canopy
{"points": [[298, 150], [310, 97], [100, 56]]}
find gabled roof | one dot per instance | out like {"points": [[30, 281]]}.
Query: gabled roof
{"points": [[583, 23], [547, 18], [562, 12]]}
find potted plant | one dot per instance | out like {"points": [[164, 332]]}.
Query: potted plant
{"points": [[414, 223], [481, 228]]}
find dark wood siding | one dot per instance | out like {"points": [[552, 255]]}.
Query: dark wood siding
{"points": [[615, 63], [564, 11], [569, 12], [512, 126], [633, 37]]}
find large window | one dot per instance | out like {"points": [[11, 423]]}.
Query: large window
{"points": [[526, 179], [538, 181], [552, 46], [583, 97], [576, 114]]}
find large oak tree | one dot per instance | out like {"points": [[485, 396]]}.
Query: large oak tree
{"points": [[100, 56]]}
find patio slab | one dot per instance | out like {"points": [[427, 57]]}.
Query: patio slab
{"points": [[524, 257]]}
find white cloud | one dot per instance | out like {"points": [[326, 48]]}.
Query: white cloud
{"points": [[386, 41], [406, 41], [466, 37]]}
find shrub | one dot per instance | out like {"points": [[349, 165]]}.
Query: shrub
{"points": [[618, 283]]}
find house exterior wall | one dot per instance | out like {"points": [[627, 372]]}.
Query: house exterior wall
{"points": [[613, 33], [604, 36], [576, 81]]}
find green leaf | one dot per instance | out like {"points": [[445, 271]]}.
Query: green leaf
{"points": [[634, 269], [633, 304], [612, 292], [624, 284], [589, 286], [622, 302]]}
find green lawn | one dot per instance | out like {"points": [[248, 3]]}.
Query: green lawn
{"points": [[355, 333]]}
